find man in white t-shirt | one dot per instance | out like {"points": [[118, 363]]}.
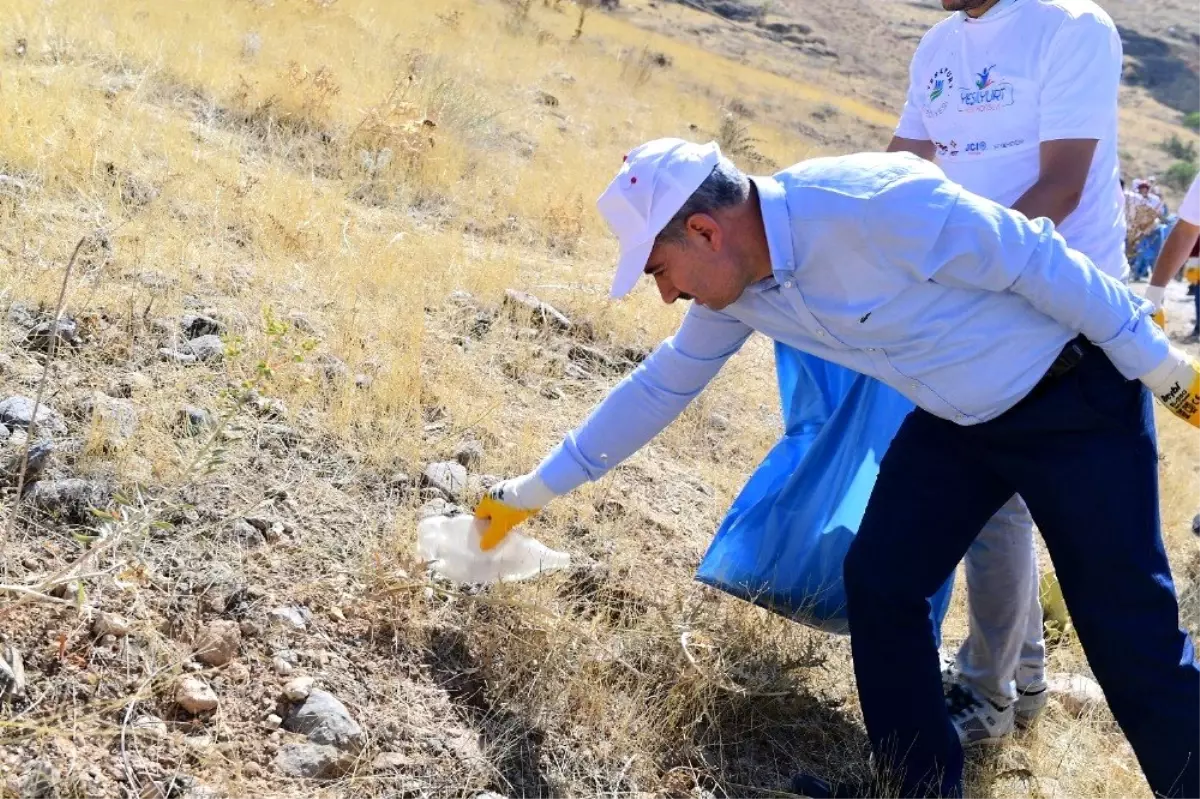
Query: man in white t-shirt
{"points": [[1179, 248], [1016, 100]]}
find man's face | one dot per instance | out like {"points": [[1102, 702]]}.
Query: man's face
{"points": [[1143, 190], [965, 5], [699, 268]]}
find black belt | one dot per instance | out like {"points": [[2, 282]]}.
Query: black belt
{"points": [[1067, 360]]}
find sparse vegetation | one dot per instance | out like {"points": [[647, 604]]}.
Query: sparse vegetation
{"points": [[1180, 174], [1179, 149], [1191, 121]]}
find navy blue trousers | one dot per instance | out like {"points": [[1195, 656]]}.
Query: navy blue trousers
{"points": [[1081, 450]]}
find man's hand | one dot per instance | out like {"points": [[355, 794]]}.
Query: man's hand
{"points": [[1176, 383], [1155, 295], [509, 503]]}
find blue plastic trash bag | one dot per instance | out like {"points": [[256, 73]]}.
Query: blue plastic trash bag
{"points": [[783, 541]]}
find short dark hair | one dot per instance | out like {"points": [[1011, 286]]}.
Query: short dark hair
{"points": [[724, 187]]}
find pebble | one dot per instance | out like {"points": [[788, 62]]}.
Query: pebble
{"points": [[325, 720], [298, 689], [194, 695], [282, 667], [110, 624], [218, 642]]}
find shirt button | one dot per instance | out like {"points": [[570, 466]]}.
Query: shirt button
{"points": [[870, 349], [916, 385], [787, 284], [962, 417], [820, 332]]}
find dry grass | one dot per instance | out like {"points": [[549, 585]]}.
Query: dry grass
{"points": [[357, 164]]}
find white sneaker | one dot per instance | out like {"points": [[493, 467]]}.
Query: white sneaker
{"points": [[977, 720], [1031, 702]]}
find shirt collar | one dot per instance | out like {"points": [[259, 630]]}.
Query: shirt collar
{"points": [[772, 201]]}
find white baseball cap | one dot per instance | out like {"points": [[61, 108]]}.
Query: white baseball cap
{"points": [[655, 181]]}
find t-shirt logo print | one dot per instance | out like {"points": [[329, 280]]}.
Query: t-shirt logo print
{"points": [[937, 88], [986, 94]]}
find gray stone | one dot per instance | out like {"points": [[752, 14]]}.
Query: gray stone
{"points": [[325, 720], [205, 348], [114, 420], [196, 325], [718, 422], [23, 315], [438, 507], [1076, 693], [247, 534], [448, 477], [40, 336], [169, 354], [126, 386], [4, 433], [469, 454], [110, 624], [294, 617], [18, 412], [193, 420], [543, 314], [311, 761], [218, 642], [72, 498], [301, 322], [39, 459]]}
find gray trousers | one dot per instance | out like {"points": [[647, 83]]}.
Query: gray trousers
{"points": [[1004, 650]]}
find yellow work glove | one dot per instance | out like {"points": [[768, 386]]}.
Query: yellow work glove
{"points": [[1176, 383], [509, 503], [1156, 295]]}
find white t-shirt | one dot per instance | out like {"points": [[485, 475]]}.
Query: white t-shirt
{"points": [[1189, 209], [988, 91]]}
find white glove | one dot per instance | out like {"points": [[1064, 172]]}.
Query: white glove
{"points": [[1155, 295], [1176, 383]]}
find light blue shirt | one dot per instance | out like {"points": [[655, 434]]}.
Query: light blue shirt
{"points": [[882, 265]]}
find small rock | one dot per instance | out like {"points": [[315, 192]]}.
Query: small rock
{"points": [[469, 454], [282, 667], [589, 355], [193, 421], [391, 761], [270, 407], [194, 695], [247, 534], [196, 325], [110, 624], [218, 642], [301, 322], [71, 499], [438, 507], [4, 433], [448, 477], [1196, 524], [114, 420], [311, 761], [205, 348], [363, 381], [40, 337], [718, 422], [298, 689], [22, 315], [126, 386], [274, 721], [1076, 693], [169, 354], [150, 725], [294, 617], [325, 720], [39, 459], [18, 412], [250, 629], [547, 99], [543, 314], [253, 770]]}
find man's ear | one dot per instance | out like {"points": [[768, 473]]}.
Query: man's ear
{"points": [[706, 227]]}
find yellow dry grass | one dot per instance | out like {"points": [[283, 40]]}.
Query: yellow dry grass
{"points": [[360, 161]]}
